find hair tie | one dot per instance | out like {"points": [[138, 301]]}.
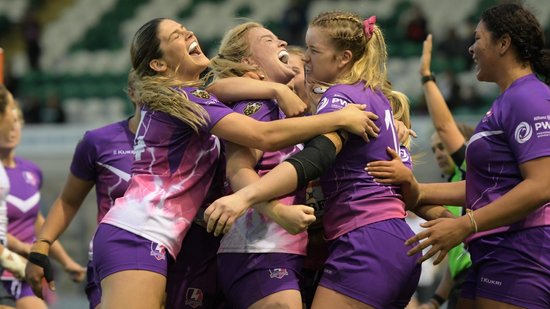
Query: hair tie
{"points": [[368, 26], [221, 56]]}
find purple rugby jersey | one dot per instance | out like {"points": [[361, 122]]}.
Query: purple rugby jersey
{"points": [[516, 129], [171, 174], [353, 198], [105, 156], [254, 232]]}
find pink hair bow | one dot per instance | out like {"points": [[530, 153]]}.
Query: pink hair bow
{"points": [[368, 25]]}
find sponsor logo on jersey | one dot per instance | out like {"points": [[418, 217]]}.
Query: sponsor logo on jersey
{"points": [[194, 297], [30, 178], [523, 133], [278, 273], [158, 251], [404, 155], [252, 108], [123, 152], [203, 94]]}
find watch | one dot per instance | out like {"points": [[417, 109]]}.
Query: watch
{"points": [[427, 78]]}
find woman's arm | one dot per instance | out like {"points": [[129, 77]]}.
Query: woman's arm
{"points": [[445, 193], [526, 197], [281, 180], [442, 118], [274, 135], [18, 246], [76, 271], [61, 214], [248, 88], [240, 173]]}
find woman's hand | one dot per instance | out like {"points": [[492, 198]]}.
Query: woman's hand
{"points": [[35, 273], [76, 271], [426, 58], [403, 132], [442, 235], [13, 262], [223, 212], [293, 218], [390, 172], [361, 124], [289, 102]]}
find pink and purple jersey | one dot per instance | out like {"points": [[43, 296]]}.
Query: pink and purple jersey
{"points": [[105, 156], [353, 198], [172, 172], [254, 232], [516, 129]]}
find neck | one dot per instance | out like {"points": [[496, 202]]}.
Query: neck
{"points": [[7, 157], [511, 73], [134, 120]]}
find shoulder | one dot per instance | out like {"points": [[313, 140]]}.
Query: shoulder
{"points": [[27, 165], [105, 132]]}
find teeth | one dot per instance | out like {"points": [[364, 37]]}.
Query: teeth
{"points": [[192, 47], [283, 56]]}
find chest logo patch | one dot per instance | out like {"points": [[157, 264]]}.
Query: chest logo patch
{"points": [[203, 94], [252, 108]]}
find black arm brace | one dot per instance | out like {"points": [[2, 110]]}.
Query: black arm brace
{"points": [[318, 155]]}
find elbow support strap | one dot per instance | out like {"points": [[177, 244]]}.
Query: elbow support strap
{"points": [[318, 155]]}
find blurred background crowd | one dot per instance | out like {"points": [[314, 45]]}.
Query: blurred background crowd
{"points": [[66, 62]]}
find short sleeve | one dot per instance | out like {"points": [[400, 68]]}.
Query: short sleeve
{"points": [[216, 110], [526, 122], [84, 158], [331, 101]]}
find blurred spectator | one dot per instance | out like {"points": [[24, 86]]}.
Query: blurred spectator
{"points": [[31, 35], [53, 112], [454, 46], [471, 98], [32, 111], [294, 22], [415, 23], [450, 88]]}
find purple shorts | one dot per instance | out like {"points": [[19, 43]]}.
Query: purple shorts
{"points": [[118, 250], [193, 278], [92, 289], [18, 289], [512, 268], [370, 264], [248, 277]]}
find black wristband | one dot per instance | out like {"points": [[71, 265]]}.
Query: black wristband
{"points": [[43, 261], [440, 300], [427, 78]]}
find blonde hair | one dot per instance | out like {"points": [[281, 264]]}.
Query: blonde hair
{"points": [[234, 47], [346, 31], [296, 50], [156, 91], [401, 111]]}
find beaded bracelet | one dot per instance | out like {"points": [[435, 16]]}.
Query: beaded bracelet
{"points": [[470, 214]]}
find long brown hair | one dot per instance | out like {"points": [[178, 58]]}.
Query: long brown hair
{"points": [[156, 91]]}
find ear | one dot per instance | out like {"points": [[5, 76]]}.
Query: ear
{"points": [[344, 58], [504, 44], [248, 60], [158, 65]]}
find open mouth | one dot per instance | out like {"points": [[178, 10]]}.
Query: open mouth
{"points": [[193, 49], [283, 56]]}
